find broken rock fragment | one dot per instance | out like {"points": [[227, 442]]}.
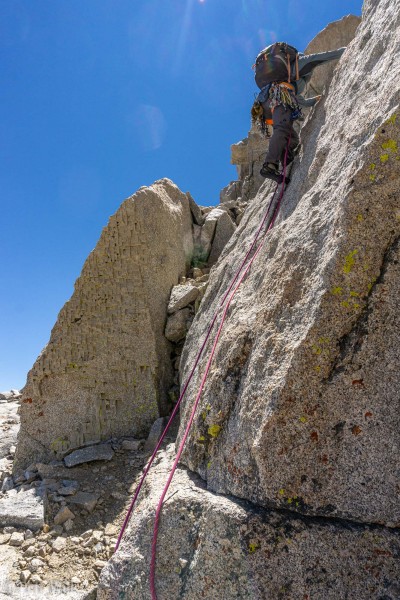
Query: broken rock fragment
{"points": [[22, 509], [89, 454], [84, 500], [182, 296]]}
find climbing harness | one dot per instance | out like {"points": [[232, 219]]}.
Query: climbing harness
{"points": [[284, 93], [225, 303]]}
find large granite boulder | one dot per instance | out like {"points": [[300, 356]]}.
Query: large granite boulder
{"points": [[304, 390], [106, 369], [214, 547]]}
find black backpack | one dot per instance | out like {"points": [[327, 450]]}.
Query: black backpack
{"points": [[275, 63]]}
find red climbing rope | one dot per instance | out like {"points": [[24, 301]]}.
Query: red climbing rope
{"points": [[203, 380], [186, 384]]}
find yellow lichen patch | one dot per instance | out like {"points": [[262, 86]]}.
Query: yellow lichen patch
{"points": [[201, 439], [384, 158], [205, 412], [209, 464], [214, 430], [317, 369], [356, 306], [391, 120], [360, 217], [390, 145], [316, 349], [281, 492], [345, 304], [349, 261], [372, 177], [303, 419], [253, 546], [372, 166], [337, 291], [371, 284], [323, 340], [354, 295]]}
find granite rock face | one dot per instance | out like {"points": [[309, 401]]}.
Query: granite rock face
{"points": [[223, 232], [304, 387], [216, 547], [336, 35], [106, 369], [22, 509]]}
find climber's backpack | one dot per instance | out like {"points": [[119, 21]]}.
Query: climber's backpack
{"points": [[275, 63]]}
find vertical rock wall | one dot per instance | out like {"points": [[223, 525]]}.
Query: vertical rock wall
{"points": [[304, 386], [106, 369]]}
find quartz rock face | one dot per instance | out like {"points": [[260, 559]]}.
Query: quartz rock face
{"points": [[106, 369], [305, 386], [216, 547]]}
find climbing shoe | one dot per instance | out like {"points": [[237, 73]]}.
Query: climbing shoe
{"points": [[271, 171]]}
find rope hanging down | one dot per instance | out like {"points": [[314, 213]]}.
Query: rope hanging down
{"points": [[186, 384], [203, 380], [227, 298]]}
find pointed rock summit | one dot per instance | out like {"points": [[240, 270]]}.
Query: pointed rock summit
{"points": [[106, 369]]}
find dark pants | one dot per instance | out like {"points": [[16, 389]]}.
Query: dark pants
{"points": [[283, 128]]}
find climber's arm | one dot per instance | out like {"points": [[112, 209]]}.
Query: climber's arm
{"points": [[307, 101], [308, 62]]}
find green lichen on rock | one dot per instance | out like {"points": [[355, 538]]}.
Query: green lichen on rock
{"points": [[214, 430], [390, 145], [349, 261]]}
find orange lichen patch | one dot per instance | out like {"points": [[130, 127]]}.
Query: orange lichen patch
{"points": [[27, 401], [356, 430], [358, 382], [314, 436], [380, 552], [368, 414]]}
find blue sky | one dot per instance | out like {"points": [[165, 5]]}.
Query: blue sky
{"points": [[100, 97]]}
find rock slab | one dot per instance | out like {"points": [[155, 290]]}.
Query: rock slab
{"points": [[215, 547], [22, 509], [89, 454], [304, 387]]}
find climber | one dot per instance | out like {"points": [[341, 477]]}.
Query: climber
{"points": [[282, 74]]}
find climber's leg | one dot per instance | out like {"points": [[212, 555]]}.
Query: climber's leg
{"points": [[283, 127], [294, 147]]}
